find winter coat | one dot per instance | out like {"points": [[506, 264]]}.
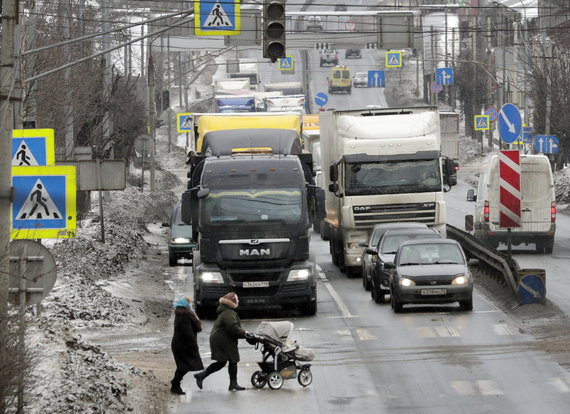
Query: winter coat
{"points": [[184, 341], [225, 333]]}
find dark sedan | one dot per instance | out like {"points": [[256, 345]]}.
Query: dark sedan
{"points": [[431, 271]]}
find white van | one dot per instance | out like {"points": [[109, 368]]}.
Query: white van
{"points": [[538, 205]]}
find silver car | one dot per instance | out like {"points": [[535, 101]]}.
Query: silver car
{"points": [[431, 271], [360, 80]]}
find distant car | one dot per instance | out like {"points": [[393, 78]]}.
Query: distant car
{"points": [[314, 24], [431, 271], [387, 247], [360, 80], [376, 234], [180, 243], [352, 53], [329, 57]]}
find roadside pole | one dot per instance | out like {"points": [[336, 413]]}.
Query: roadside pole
{"points": [[7, 114]]}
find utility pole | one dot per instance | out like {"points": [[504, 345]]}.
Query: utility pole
{"points": [[151, 117], [8, 101]]}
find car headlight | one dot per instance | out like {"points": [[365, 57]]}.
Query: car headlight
{"points": [[212, 277], [298, 274], [406, 282], [460, 280], [180, 240], [358, 259]]}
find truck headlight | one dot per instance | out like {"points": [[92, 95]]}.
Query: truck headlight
{"points": [[212, 277], [298, 274], [406, 282], [180, 240]]}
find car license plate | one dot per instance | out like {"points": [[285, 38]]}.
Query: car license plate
{"points": [[428, 292], [259, 284]]}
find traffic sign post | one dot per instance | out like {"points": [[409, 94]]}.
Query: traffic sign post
{"points": [[444, 76], [44, 205], [33, 147], [220, 17], [376, 79], [509, 189], [510, 123], [321, 99]]}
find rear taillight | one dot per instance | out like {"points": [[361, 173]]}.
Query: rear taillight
{"points": [[553, 212], [486, 211]]}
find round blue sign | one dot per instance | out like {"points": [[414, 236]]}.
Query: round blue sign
{"points": [[531, 289], [510, 123], [321, 99]]}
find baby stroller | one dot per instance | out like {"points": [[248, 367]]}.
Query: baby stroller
{"points": [[281, 356]]}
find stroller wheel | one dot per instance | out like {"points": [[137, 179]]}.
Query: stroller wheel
{"points": [[305, 377], [259, 379], [275, 380]]}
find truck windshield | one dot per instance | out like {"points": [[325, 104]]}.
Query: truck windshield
{"points": [[394, 177], [252, 205]]}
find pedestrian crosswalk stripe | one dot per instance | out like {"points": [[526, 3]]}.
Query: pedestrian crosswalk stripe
{"points": [[39, 205], [478, 387], [502, 329], [24, 157]]}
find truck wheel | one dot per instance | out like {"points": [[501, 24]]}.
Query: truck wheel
{"points": [[325, 235], [396, 305], [172, 259], [467, 305], [309, 309], [549, 246]]}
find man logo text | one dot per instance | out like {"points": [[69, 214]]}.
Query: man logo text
{"points": [[254, 252]]}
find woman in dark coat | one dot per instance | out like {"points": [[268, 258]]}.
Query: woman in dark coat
{"points": [[184, 342], [224, 341]]}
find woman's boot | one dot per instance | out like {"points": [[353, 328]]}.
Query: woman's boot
{"points": [[200, 376], [232, 369], [175, 387]]}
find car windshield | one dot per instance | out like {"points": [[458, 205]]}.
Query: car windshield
{"points": [[394, 177], [252, 205], [430, 254], [391, 242]]}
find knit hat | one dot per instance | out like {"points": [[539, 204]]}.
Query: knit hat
{"points": [[184, 302], [230, 299]]}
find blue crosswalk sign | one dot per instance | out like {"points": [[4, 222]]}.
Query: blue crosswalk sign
{"points": [[32, 147], [394, 59], [376, 79], [444, 76], [217, 17], [286, 63]]}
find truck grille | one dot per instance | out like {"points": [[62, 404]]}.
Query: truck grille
{"points": [[368, 216], [248, 276]]}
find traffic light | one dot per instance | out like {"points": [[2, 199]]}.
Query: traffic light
{"points": [[274, 29]]}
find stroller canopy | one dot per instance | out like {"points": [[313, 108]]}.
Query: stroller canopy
{"points": [[278, 331]]}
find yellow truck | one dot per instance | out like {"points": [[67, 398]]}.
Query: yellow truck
{"points": [[340, 80], [223, 134]]}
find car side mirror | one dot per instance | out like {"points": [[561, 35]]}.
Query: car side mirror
{"points": [[372, 251], [471, 196], [472, 262]]}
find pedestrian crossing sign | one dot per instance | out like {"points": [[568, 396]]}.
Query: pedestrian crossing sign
{"points": [[44, 204], [217, 17], [393, 59], [184, 122], [286, 63], [32, 147], [482, 122]]}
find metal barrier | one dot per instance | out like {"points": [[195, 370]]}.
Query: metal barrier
{"points": [[502, 263]]}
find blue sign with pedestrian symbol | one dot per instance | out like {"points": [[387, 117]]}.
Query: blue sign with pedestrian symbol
{"points": [[444, 76], [546, 144], [44, 202], [321, 99], [184, 122], [286, 63], [393, 59], [376, 79], [32, 147], [482, 122], [510, 123], [219, 17]]}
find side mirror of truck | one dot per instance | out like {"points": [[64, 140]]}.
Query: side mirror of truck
{"points": [[202, 193], [471, 196], [333, 173]]}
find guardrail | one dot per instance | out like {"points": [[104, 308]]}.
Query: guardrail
{"points": [[505, 266]]}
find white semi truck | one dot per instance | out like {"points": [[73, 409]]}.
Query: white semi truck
{"points": [[381, 165]]}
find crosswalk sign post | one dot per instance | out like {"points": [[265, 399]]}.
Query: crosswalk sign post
{"points": [[32, 147], [44, 205], [393, 59], [217, 18], [482, 122], [287, 63]]}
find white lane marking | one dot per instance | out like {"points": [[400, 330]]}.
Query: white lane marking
{"points": [[463, 387], [446, 331], [364, 335], [488, 387], [339, 302], [502, 329], [559, 384], [425, 332]]}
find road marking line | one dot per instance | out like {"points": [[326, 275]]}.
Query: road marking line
{"points": [[339, 302], [446, 331], [502, 329], [425, 332], [488, 387], [463, 387], [364, 335]]}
